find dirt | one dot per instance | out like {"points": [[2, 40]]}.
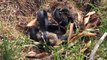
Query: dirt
{"points": [[23, 11]]}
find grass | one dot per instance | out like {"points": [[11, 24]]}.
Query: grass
{"points": [[101, 10], [13, 50], [14, 41]]}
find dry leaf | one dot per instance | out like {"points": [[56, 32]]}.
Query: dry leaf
{"points": [[41, 55], [84, 33], [89, 25], [89, 33], [90, 13], [88, 16], [31, 54], [75, 37], [70, 31], [87, 45], [82, 50], [32, 23], [96, 22], [79, 16], [86, 19]]}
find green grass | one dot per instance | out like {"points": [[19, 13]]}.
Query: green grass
{"points": [[102, 51], [13, 41], [12, 50], [101, 10]]}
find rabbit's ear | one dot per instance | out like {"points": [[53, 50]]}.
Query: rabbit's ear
{"points": [[42, 19], [57, 15]]}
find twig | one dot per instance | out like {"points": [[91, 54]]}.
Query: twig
{"points": [[77, 36], [96, 46], [70, 32]]}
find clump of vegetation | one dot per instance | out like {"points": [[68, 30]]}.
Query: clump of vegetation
{"points": [[18, 13]]}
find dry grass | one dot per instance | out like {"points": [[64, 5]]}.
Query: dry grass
{"points": [[14, 12]]}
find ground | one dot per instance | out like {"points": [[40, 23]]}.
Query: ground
{"points": [[15, 14]]}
